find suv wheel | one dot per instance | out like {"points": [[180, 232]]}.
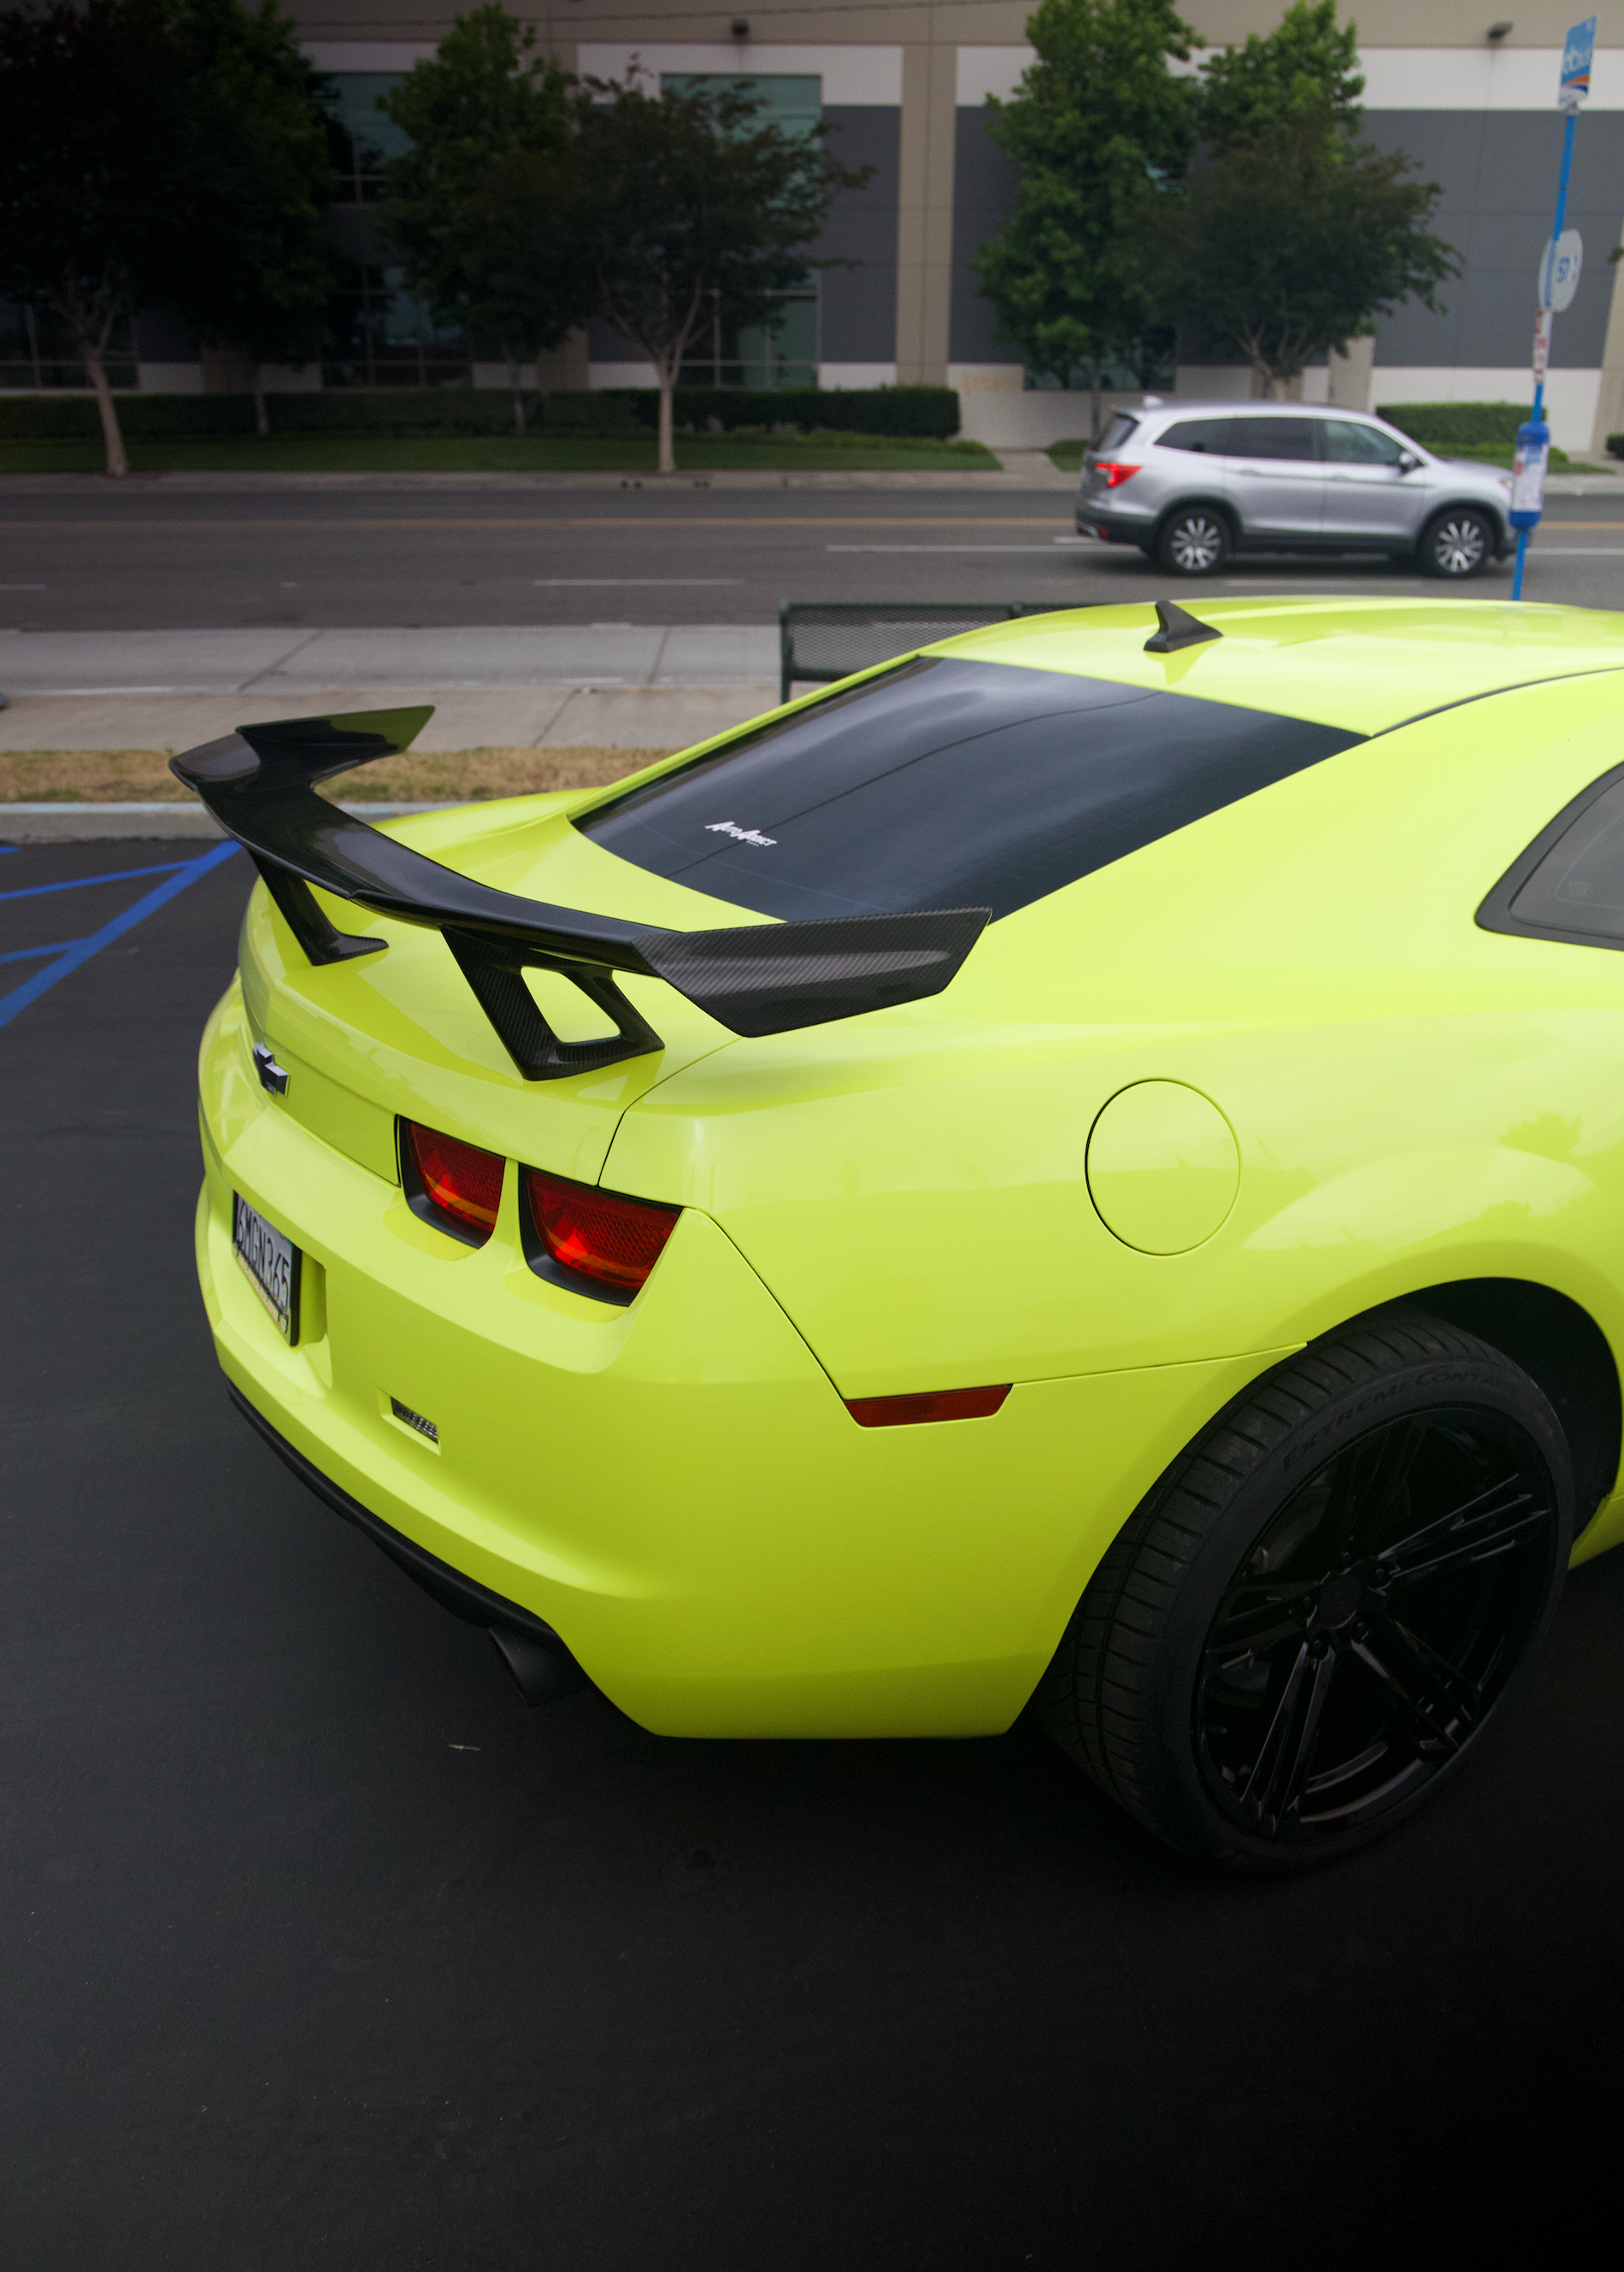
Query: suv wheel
{"points": [[1194, 540], [1459, 543]]}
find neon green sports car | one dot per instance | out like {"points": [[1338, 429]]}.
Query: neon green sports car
{"points": [[1081, 1168]]}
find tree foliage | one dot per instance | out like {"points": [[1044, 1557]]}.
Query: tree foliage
{"points": [[1291, 243], [87, 93], [162, 152], [256, 264], [689, 204], [482, 204], [1098, 122], [1309, 62]]}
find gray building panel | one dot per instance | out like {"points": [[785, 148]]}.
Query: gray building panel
{"points": [[1498, 171], [859, 303], [984, 183]]}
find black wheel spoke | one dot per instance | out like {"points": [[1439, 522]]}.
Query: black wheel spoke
{"points": [[1438, 1706], [1375, 1474], [1274, 1791], [1491, 1524]]}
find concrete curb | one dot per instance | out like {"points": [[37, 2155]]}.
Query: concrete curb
{"points": [[82, 824]]}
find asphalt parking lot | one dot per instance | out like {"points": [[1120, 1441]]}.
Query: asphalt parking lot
{"points": [[320, 1949]]}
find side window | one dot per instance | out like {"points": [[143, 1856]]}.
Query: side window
{"points": [[1570, 884], [1274, 437], [1345, 443], [1211, 435]]}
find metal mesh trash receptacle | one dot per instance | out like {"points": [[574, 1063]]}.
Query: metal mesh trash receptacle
{"points": [[823, 639]]}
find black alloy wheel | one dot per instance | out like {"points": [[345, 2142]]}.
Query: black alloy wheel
{"points": [[1194, 541], [1308, 1623], [1459, 543]]}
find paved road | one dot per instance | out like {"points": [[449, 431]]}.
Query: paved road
{"points": [[319, 1950], [98, 561]]}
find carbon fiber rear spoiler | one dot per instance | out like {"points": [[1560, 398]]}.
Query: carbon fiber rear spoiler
{"points": [[259, 783]]}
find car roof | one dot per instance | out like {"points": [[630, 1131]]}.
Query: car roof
{"points": [[1363, 665], [1249, 408]]}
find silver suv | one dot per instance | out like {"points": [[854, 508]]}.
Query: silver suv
{"points": [[1190, 482]]}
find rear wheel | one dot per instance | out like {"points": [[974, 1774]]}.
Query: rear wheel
{"points": [[1459, 543], [1194, 540], [1307, 1627]]}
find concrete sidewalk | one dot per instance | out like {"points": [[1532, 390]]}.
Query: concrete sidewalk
{"points": [[654, 686]]}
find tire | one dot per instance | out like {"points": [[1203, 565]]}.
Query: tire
{"points": [[1194, 541], [1459, 541], [1415, 1491]]}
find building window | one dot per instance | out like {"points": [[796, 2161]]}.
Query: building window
{"points": [[786, 353], [36, 352], [382, 337], [361, 139]]}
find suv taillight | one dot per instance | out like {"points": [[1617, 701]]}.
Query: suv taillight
{"points": [[451, 1183], [1115, 472], [598, 1234]]}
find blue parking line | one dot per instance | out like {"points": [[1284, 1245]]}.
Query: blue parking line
{"points": [[84, 883], [80, 951], [33, 953]]}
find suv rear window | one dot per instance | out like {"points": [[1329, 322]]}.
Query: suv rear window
{"points": [[1211, 434], [946, 782], [1120, 430], [1570, 884]]}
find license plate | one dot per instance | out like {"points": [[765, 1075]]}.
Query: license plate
{"points": [[272, 1263]]}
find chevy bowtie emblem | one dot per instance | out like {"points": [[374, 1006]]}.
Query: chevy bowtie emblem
{"points": [[272, 1076]]}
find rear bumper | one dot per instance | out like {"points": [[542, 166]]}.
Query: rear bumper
{"points": [[1115, 528], [673, 1488]]}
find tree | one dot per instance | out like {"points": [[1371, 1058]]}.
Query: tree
{"points": [[479, 205], [1293, 241], [688, 204], [1306, 63], [92, 98], [1099, 123], [257, 265]]}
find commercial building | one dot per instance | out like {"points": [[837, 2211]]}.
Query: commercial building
{"points": [[1472, 98]]}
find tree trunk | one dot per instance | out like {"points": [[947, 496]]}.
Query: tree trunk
{"points": [[262, 416], [512, 380], [1099, 418], [667, 371], [91, 350]]}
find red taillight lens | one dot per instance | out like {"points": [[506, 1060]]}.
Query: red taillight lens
{"points": [[936, 1404], [1115, 472], [458, 1180], [599, 1234]]}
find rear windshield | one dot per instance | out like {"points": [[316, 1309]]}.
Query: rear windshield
{"points": [[1121, 428], [948, 783]]}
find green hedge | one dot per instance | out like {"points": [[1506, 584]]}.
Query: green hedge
{"points": [[609, 413], [1457, 425]]}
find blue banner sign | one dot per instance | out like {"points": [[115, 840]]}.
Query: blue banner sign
{"points": [[1577, 56]]}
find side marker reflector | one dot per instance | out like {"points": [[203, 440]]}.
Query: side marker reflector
{"points": [[936, 1404]]}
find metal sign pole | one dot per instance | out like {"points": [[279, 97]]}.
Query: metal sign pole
{"points": [[1533, 450]]}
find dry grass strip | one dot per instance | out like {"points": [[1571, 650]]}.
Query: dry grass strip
{"points": [[143, 776]]}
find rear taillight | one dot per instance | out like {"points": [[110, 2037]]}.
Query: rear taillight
{"points": [[452, 1183], [1115, 472], [934, 1404], [598, 1234]]}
